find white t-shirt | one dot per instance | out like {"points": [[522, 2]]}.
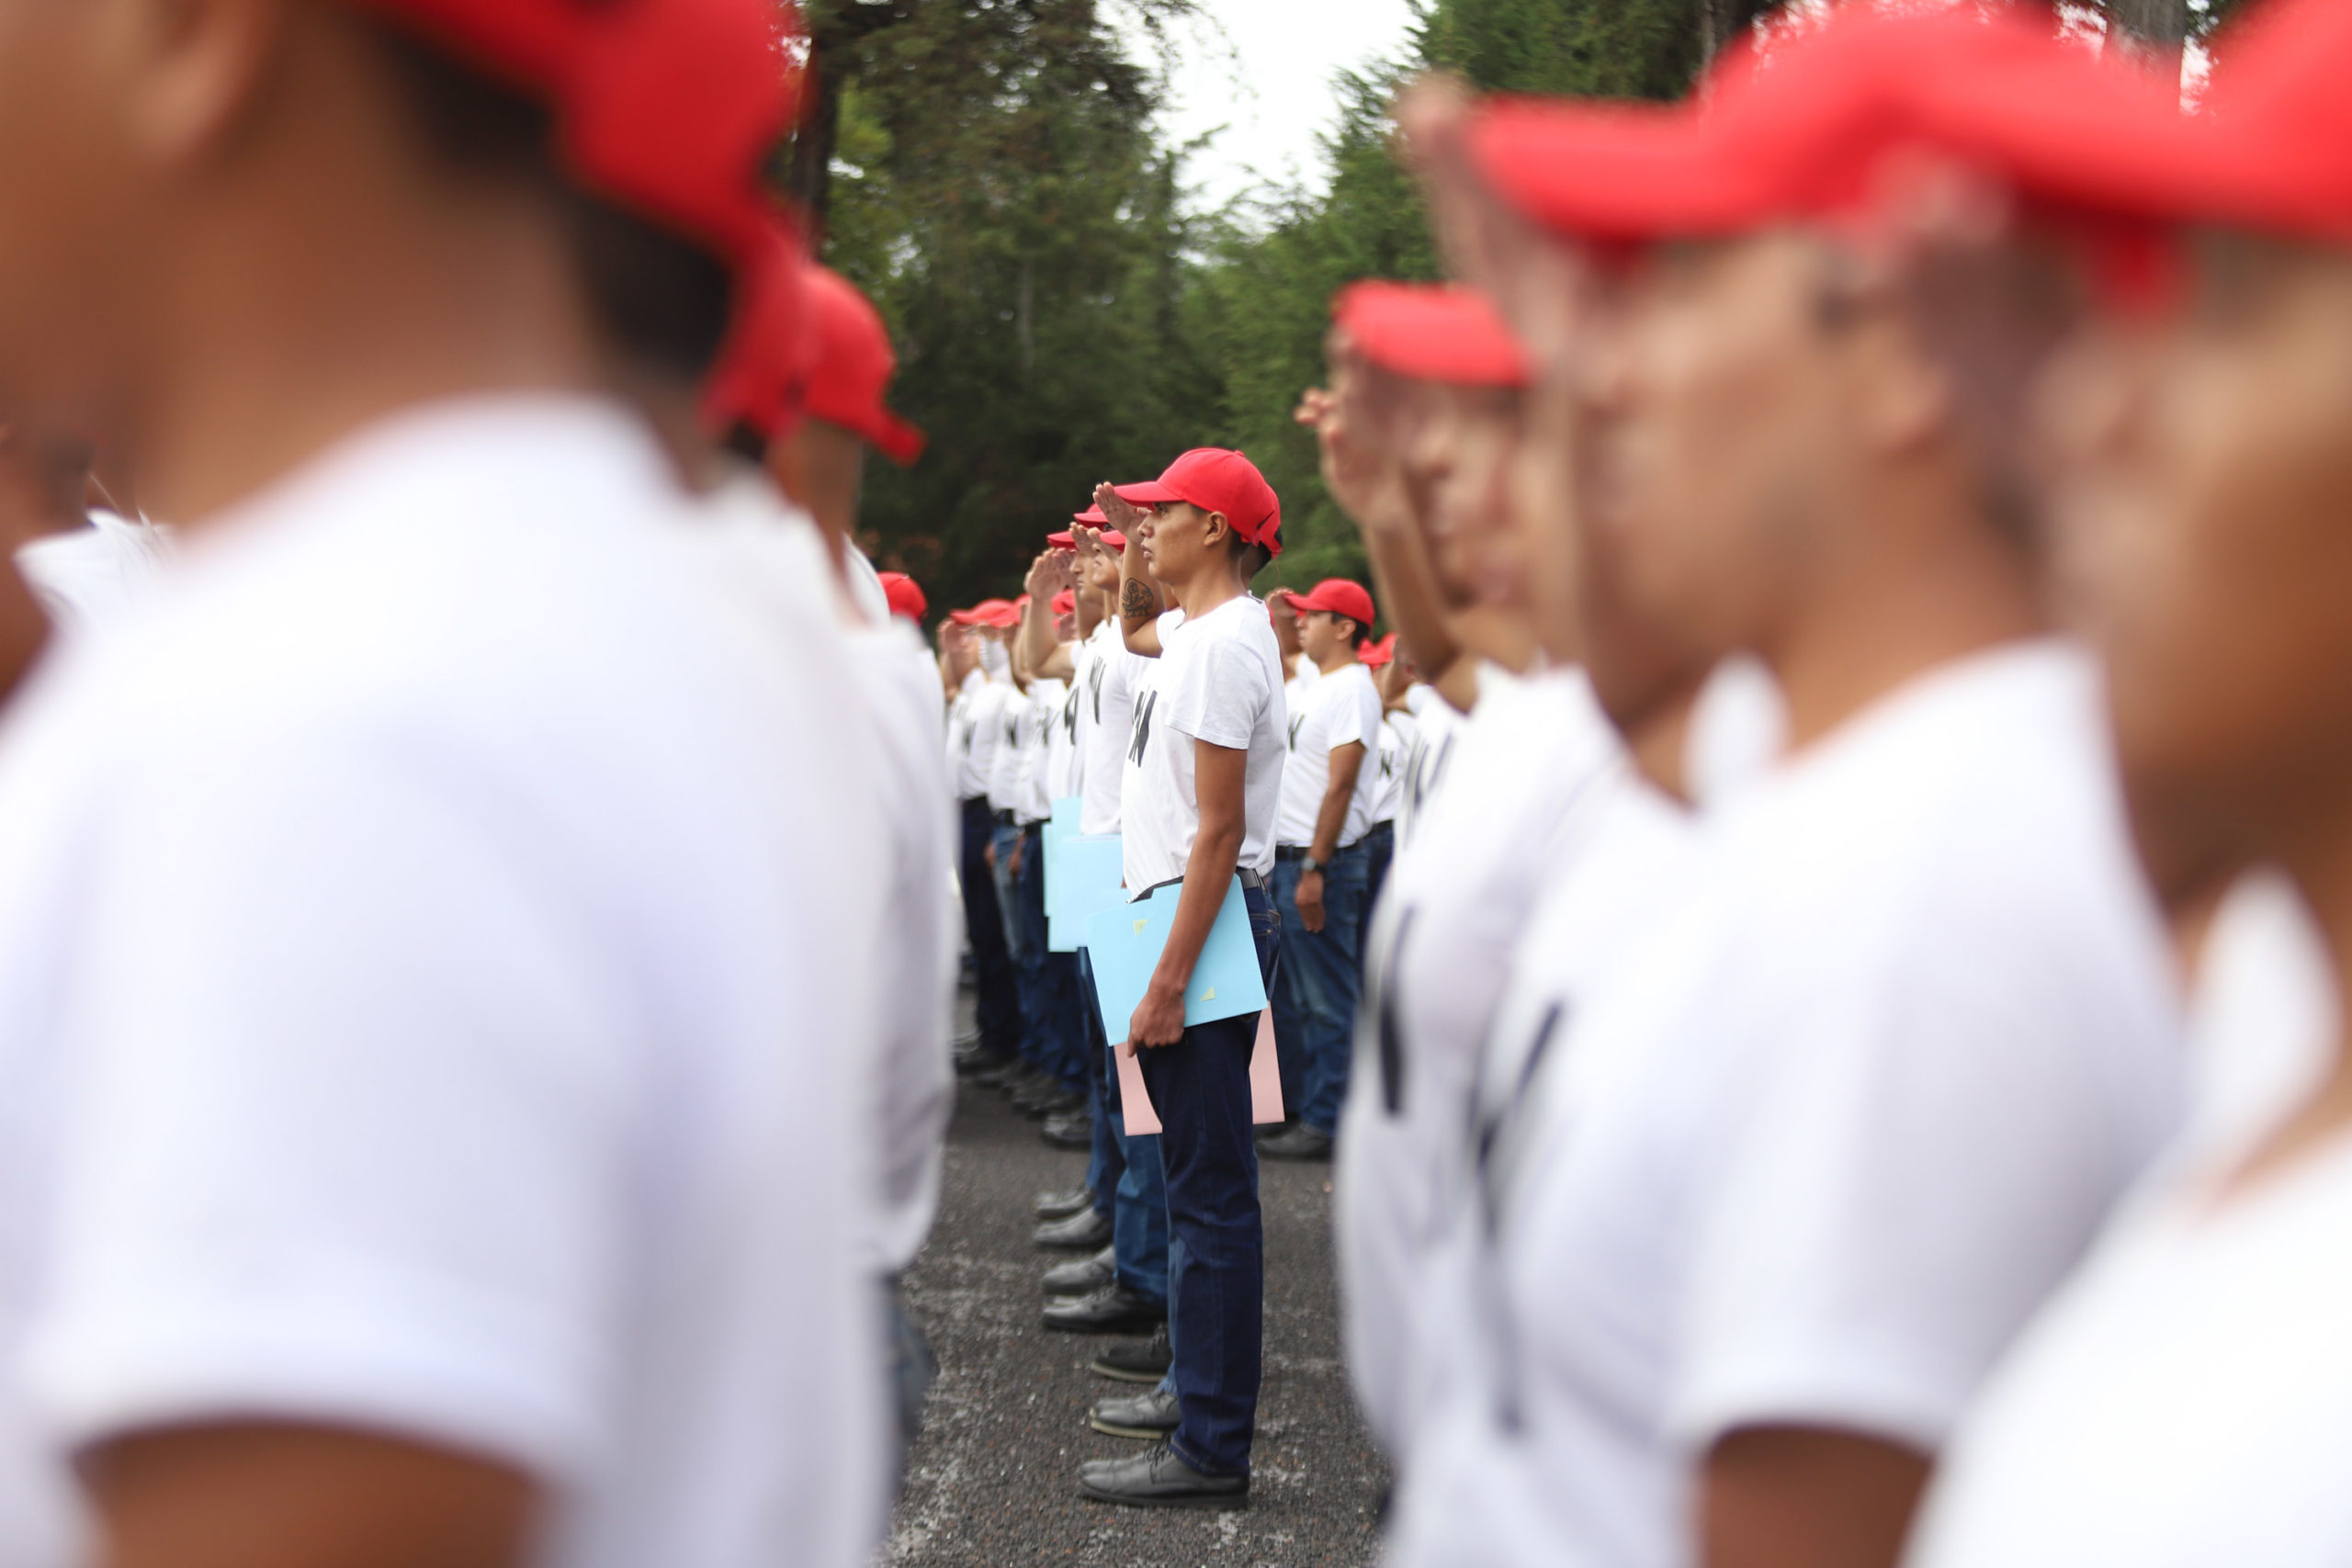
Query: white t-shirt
{"points": [[975, 733], [1530, 773], [1437, 725], [87, 576], [1040, 718], [1007, 763], [2186, 1402], [487, 1074], [765, 552], [1218, 679], [1341, 710], [1063, 758], [1851, 1118], [1397, 732], [1106, 690], [1739, 729], [1439, 1329], [2264, 1016]]}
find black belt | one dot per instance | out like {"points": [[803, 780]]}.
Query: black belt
{"points": [[1005, 819], [1251, 883], [1290, 852]]}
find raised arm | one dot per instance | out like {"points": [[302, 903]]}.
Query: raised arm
{"points": [[1139, 602], [1034, 645], [1357, 425]]}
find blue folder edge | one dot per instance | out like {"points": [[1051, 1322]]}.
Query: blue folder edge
{"points": [[1124, 946]]}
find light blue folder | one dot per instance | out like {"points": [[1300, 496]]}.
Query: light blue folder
{"points": [[1062, 824], [1124, 944], [1081, 880]]}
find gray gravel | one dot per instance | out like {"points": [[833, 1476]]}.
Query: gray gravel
{"points": [[994, 1478]]}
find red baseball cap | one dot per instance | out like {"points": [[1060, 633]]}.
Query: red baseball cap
{"points": [[668, 107], [987, 612], [1093, 517], [1431, 332], [1801, 132], [2271, 150], [1218, 481], [1062, 541], [848, 365], [1372, 655], [1113, 539], [1065, 602], [905, 595], [1340, 597]]}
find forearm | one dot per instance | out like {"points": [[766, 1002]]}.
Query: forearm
{"points": [[1034, 644], [1408, 587], [1138, 604], [1330, 821]]}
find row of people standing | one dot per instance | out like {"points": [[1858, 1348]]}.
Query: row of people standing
{"points": [[475, 1066], [1775, 1137]]}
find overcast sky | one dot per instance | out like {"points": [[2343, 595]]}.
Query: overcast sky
{"points": [[1268, 81]]}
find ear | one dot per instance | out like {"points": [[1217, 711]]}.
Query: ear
{"points": [[200, 69]]}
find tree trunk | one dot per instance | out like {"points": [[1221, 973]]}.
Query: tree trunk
{"points": [[2155, 30], [1724, 22], [812, 148]]}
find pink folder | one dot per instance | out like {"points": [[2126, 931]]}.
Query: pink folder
{"points": [[1265, 1084]]}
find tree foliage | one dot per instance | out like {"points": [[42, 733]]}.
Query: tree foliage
{"points": [[989, 172]]}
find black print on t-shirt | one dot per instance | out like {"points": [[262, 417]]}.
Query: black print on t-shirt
{"points": [[1069, 716], [1384, 1010], [1143, 728], [1295, 720], [1013, 731], [1094, 684]]}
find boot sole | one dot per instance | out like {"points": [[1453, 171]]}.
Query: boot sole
{"points": [[1124, 1374], [1126, 1326], [1230, 1501], [1111, 1429]]}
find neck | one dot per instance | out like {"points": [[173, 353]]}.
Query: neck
{"points": [[1900, 613], [327, 276], [1661, 740], [1207, 590], [1089, 614], [1338, 659]]}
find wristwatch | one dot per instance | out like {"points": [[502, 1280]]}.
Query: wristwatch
{"points": [[1310, 866]]}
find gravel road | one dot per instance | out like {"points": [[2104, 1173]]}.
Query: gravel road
{"points": [[993, 1480]]}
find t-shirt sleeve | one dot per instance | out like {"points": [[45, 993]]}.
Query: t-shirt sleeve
{"points": [[1892, 1199], [353, 1133], [1219, 692], [1356, 720]]}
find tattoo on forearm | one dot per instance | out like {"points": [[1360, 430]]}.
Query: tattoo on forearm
{"points": [[1137, 603]]}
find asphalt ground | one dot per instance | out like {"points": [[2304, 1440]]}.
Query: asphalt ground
{"points": [[993, 1479]]}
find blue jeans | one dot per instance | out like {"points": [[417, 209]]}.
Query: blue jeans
{"points": [[1048, 989], [1217, 1251], [1124, 1171], [1379, 849], [1314, 993], [998, 995]]}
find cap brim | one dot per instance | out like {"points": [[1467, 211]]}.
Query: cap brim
{"points": [[1619, 172], [1151, 493]]}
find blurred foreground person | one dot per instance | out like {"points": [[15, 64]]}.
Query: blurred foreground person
{"points": [[1417, 433], [87, 564], [803, 396], [1852, 1115], [468, 1172], [2185, 1402]]}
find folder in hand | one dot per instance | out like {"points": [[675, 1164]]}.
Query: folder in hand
{"points": [[1123, 945]]}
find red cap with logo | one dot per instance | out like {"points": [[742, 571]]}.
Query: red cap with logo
{"points": [[1802, 131], [1218, 481], [1337, 596], [905, 595], [1431, 332]]}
